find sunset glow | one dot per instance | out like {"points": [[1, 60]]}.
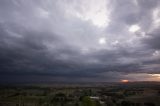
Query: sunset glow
{"points": [[156, 75], [125, 81]]}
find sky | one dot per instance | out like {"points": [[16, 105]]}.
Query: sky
{"points": [[79, 40]]}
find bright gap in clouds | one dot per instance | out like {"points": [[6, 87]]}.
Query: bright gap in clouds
{"points": [[134, 28], [102, 41], [93, 11], [156, 17], [156, 75]]}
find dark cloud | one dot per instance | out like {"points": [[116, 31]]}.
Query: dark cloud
{"points": [[60, 40], [152, 41]]}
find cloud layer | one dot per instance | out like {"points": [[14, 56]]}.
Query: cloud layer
{"points": [[80, 40]]}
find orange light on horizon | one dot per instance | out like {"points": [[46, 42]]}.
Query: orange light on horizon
{"points": [[125, 81], [155, 75]]}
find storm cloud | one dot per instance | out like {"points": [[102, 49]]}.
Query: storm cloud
{"points": [[80, 40]]}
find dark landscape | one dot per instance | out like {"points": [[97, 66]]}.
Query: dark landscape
{"points": [[82, 94]]}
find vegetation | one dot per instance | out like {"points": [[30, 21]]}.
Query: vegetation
{"points": [[118, 95]]}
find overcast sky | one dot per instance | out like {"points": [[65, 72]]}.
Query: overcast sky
{"points": [[79, 40]]}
